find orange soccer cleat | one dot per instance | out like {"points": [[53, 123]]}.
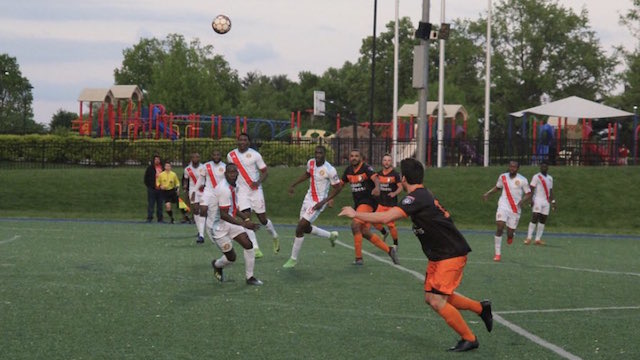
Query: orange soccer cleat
{"points": [[496, 258]]}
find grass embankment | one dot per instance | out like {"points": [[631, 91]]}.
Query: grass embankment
{"points": [[590, 199]]}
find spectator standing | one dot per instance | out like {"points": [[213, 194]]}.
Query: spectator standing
{"points": [[154, 196]]}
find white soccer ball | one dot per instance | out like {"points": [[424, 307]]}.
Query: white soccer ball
{"points": [[221, 24]]}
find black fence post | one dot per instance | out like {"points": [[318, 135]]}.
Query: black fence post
{"points": [[113, 152], [184, 150], [44, 144]]}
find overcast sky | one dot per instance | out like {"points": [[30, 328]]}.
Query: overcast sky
{"points": [[63, 46]]}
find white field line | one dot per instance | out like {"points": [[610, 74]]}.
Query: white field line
{"points": [[569, 310], [547, 266], [14, 238], [515, 328]]}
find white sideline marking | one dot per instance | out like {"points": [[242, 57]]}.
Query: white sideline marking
{"points": [[513, 327], [569, 310], [14, 238]]}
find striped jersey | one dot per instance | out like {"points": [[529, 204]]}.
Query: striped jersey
{"points": [[542, 186], [249, 165], [211, 174], [512, 191], [320, 180]]}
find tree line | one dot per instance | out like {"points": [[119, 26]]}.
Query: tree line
{"points": [[540, 48]]}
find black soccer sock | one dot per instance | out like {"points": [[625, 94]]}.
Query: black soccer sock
{"points": [[170, 212]]}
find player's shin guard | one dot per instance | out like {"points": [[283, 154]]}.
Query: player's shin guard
{"points": [[375, 240], [357, 244], [532, 227], [249, 262], [200, 223], [464, 303], [454, 319], [253, 238], [320, 232], [539, 232], [498, 244], [271, 229], [297, 245]]}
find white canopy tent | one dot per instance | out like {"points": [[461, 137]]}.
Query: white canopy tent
{"points": [[574, 107]]}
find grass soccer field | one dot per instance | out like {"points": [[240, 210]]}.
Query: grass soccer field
{"points": [[111, 290]]}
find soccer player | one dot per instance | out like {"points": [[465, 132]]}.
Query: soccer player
{"points": [[542, 188], [444, 246], [389, 190], [226, 226], [209, 176], [364, 188], [189, 181], [168, 182], [322, 176], [515, 190], [253, 172]]}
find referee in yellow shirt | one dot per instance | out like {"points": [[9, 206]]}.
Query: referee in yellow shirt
{"points": [[169, 185]]}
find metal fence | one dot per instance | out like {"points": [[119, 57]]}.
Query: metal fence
{"points": [[458, 152]]}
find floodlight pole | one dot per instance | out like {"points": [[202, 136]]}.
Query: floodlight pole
{"points": [[635, 134], [394, 121], [422, 100], [487, 88], [441, 93], [373, 81]]}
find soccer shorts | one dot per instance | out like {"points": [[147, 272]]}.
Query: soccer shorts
{"points": [[307, 212], [198, 196], [444, 276], [170, 196], [222, 232], [207, 197], [363, 208], [541, 206], [251, 199], [508, 216], [382, 208]]}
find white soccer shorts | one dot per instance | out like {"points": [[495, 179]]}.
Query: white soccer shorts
{"points": [[198, 196], [307, 212], [222, 233], [206, 198], [252, 199], [541, 207], [508, 216]]}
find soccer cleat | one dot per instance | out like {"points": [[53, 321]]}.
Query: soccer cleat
{"points": [[258, 253], [486, 315], [217, 272], [290, 264], [465, 345], [527, 241], [333, 236], [393, 255], [540, 242], [276, 245], [358, 261], [185, 220], [200, 239], [496, 258], [509, 241], [253, 281], [171, 222]]}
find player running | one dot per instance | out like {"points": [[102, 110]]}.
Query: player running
{"points": [[515, 190], [444, 246], [542, 185], [226, 226], [364, 187], [189, 181], [253, 172], [322, 176], [389, 179], [209, 176]]}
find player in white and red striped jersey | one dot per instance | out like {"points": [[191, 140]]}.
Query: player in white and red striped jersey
{"points": [[515, 190], [322, 177], [542, 202], [211, 174], [252, 173], [189, 181]]}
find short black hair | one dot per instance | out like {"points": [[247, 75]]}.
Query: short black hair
{"points": [[412, 170], [245, 134], [322, 147], [544, 162]]}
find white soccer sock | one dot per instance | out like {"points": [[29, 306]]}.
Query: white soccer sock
{"points": [[222, 262], [320, 232], [271, 229], [540, 231], [253, 238], [249, 262], [297, 245], [532, 227], [200, 222], [498, 243]]}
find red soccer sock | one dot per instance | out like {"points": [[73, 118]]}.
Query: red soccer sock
{"points": [[357, 244], [375, 240], [461, 302], [453, 318]]}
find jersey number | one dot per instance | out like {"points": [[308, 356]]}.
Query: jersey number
{"points": [[444, 211]]}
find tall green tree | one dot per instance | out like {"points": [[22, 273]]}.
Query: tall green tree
{"points": [[630, 76], [62, 119], [16, 98]]}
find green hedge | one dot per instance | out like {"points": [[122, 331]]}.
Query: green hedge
{"points": [[76, 150]]}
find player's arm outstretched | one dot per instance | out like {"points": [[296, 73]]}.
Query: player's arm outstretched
{"points": [[486, 195], [393, 214], [302, 178]]}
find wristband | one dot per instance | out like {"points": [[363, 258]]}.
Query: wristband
{"points": [[553, 201]]}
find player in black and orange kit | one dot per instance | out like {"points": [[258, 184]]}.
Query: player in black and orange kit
{"points": [[444, 246], [364, 188], [389, 179]]}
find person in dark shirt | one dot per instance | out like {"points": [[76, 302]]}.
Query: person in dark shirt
{"points": [[154, 195], [364, 187], [389, 180], [444, 246]]}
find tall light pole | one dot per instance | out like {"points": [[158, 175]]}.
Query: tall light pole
{"points": [[394, 121], [487, 89], [441, 92], [373, 81], [421, 52]]}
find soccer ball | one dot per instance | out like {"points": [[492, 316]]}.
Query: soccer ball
{"points": [[221, 24]]}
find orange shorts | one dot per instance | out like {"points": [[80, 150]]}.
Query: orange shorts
{"points": [[363, 208], [382, 208], [444, 276]]}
